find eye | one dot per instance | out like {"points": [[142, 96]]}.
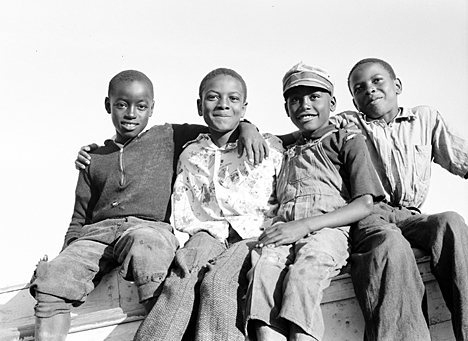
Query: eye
{"points": [[142, 107], [211, 97], [357, 89], [234, 98], [314, 96], [120, 105], [377, 80], [294, 99]]}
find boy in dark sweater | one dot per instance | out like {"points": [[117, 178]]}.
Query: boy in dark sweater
{"points": [[121, 215]]}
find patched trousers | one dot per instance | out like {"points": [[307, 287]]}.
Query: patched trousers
{"points": [[143, 249]]}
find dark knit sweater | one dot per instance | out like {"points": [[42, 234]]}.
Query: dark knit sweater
{"points": [[133, 181]]}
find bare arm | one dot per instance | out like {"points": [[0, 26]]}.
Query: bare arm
{"points": [[291, 232]]}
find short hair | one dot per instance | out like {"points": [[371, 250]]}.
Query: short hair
{"points": [[129, 76], [383, 63], [225, 72]]}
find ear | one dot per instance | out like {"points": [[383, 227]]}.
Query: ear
{"points": [[244, 109], [199, 107], [332, 103], [152, 108], [399, 86], [107, 105], [286, 108]]}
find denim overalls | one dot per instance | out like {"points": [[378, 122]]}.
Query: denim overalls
{"points": [[288, 281]]}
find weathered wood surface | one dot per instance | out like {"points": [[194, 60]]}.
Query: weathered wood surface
{"points": [[112, 311]]}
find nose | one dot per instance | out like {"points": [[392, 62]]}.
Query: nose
{"points": [[306, 103], [370, 89], [223, 103], [131, 113]]}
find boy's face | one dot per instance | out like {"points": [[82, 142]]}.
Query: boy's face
{"points": [[375, 91], [131, 105], [222, 104], [309, 107]]}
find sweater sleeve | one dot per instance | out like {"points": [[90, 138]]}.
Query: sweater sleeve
{"points": [[81, 212], [184, 133]]}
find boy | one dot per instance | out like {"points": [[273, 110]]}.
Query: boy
{"points": [[222, 202], [402, 143], [327, 183], [120, 215]]}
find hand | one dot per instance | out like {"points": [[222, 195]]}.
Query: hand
{"points": [[282, 234], [253, 143], [84, 159], [350, 126]]}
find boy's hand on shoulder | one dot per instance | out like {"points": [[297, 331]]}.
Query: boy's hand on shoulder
{"points": [[282, 234], [252, 143], [350, 125], [84, 159]]}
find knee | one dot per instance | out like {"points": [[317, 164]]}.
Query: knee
{"points": [[451, 220], [148, 238], [448, 227], [215, 278]]}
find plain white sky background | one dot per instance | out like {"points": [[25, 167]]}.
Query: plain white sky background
{"points": [[58, 56]]}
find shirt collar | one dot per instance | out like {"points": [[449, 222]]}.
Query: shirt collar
{"points": [[205, 141], [403, 114]]}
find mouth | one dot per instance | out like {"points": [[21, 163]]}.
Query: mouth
{"points": [[373, 101], [129, 125], [306, 117]]}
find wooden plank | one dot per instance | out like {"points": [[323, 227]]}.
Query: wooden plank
{"points": [[121, 332], [112, 311]]}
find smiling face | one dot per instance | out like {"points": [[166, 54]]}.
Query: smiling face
{"points": [[222, 106], [375, 91], [309, 107], [130, 105]]}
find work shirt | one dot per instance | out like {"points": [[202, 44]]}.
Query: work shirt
{"points": [[215, 189], [403, 149]]}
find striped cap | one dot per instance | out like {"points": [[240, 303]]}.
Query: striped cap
{"points": [[307, 75]]}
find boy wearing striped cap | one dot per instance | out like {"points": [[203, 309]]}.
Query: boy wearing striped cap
{"points": [[326, 184]]}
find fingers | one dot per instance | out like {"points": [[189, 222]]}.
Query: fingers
{"points": [[255, 152], [82, 162], [351, 127], [269, 238], [258, 154], [266, 149], [84, 159]]}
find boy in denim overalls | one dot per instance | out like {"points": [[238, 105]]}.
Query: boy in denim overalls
{"points": [[327, 183]]}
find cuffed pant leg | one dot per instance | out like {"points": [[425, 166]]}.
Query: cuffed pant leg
{"points": [[146, 252], [386, 281], [49, 305], [445, 237], [171, 314], [222, 291]]}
